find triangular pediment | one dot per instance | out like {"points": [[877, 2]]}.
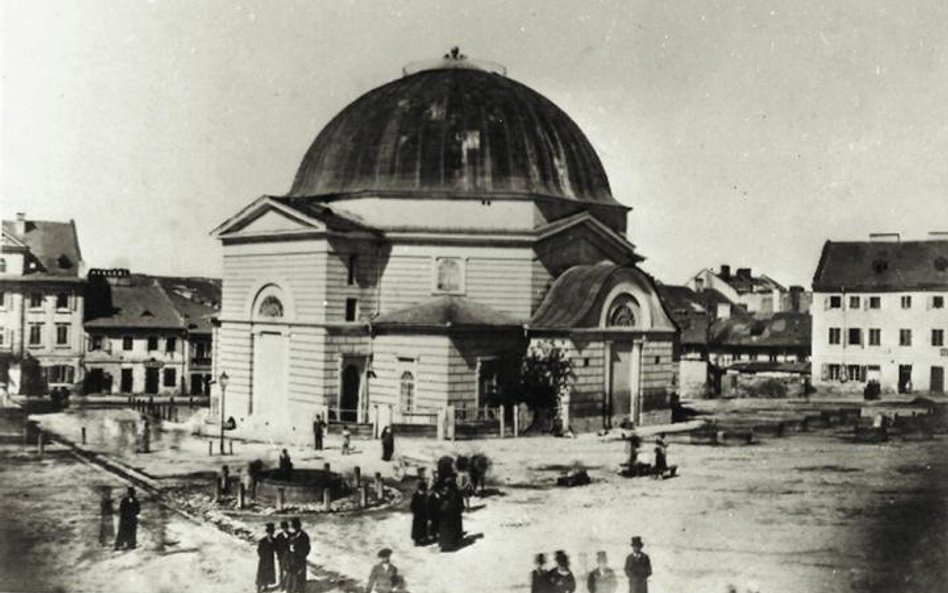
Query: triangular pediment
{"points": [[273, 221]]}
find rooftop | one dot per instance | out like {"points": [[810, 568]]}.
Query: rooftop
{"points": [[860, 266], [53, 247]]}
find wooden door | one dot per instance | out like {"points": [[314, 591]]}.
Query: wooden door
{"points": [[620, 400], [349, 401], [151, 380]]}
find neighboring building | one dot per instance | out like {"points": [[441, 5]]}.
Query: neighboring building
{"points": [[149, 335], [41, 301], [760, 295], [717, 330], [437, 226], [879, 313]]}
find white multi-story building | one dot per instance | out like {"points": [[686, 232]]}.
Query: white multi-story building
{"points": [[41, 301], [879, 312]]}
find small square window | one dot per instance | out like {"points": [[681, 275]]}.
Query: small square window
{"points": [[127, 343], [352, 309], [62, 300], [449, 275], [171, 345], [938, 302], [905, 337], [855, 336], [96, 343], [875, 302], [836, 302], [906, 301], [853, 302], [170, 378], [938, 337], [36, 300]]}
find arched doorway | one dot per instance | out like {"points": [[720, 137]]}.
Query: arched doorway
{"points": [[349, 401]]}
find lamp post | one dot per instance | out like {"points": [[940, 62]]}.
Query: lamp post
{"points": [[223, 382]]}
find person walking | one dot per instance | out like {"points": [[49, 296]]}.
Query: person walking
{"points": [[129, 508], [539, 576], [266, 549], [384, 577], [297, 551], [638, 567], [388, 443], [282, 546], [561, 577], [419, 514], [106, 517], [319, 428], [602, 579]]}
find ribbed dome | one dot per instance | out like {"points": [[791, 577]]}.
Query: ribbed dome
{"points": [[453, 131]]}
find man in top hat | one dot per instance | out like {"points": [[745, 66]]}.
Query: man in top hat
{"points": [[129, 508], [602, 579], [281, 546], [638, 567], [384, 576], [297, 550], [266, 571]]}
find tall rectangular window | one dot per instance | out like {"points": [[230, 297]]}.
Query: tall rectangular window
{"points": [[62, 334], [875, 336], [171, 345], [3, 300], [906, 301], [834, 372], [152, 343], [127, 343], [62, 300], [855, 336], [835, 335], [36, 300], [96, 343], [351, 270], [938, 337], [875, 302], [36, 334], [170, 378], [905, 337], [352, 309], [853, 302]]}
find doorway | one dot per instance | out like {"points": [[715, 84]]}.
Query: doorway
{"points": [[127, 381], [937, 384], [268, 396], [905, 378], [624, 382], [349, 398], [151, 380]]}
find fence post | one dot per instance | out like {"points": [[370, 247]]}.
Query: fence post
{"points": [[40, 443], [231, 445], [83, 435], [327, 499], [210, 448], [363, 495], [241, 495], [379, 486], [516, 420], [225, 478], [281, 498], [357, 475], [442, 424], [502, 427]]}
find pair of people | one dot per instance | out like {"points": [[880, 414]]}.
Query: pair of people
{"points": [[289, 548], [602, 579], [437, 514]]}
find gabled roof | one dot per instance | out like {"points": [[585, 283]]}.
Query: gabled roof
{"points": [[54, 246], [751, 283], [308, 212], [139, 301], [585, 218], [860, 266], [788, 329], [445, 312]]}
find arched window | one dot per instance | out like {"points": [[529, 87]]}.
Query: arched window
{"points": [[270, 307], [450, 275], [407, 391], [621, 313]]}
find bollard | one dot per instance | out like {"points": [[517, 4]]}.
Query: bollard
{"points": [[516, 421], [83, 435], [217, 491], [241, 495], [225, 478], [210, 448], [326, 467], [281, 498], [357, 475], [363, 495], [379, 486], [40, 443], [191, 402], [176, 414], [327, 499], [230, 443], [502, 427]]}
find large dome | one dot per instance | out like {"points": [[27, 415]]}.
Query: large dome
{"points": [[453, 131]]}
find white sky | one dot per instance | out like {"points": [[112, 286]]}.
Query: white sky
{"points": [[742, 131]]}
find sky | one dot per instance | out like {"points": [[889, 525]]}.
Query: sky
{"points": [[743, 132]]}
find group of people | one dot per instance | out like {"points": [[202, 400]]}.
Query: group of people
{"points": [[437, 511], [281, 557], [602, 579], [660, 467]]}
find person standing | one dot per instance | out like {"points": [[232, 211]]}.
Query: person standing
{"points": [[433, 512], [539, 576], [106, 517], [561, 577], [319, 428], [128, 522], [297, 551], [346, 440], [602, 579], [638, 567], [266, 548], [450, 526], [419, 514], [286, 465], [384, 576], [661, 456], [281, 546], [388, 443]]}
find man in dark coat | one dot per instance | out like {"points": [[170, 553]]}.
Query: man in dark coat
{"points": [[286, 465], [297, 552], [638, 567], [128, 522], [539, 576], [281, 546], [266, 548], [388, 443], [419, 514], [450, 528], [319, 428], [602, 579], [384, 576]]}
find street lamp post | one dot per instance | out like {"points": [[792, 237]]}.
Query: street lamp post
{"points": [[223, 382]]}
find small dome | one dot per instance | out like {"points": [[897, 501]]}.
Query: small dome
{"points": [[453, 131]]}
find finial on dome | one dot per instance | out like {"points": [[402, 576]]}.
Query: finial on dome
{"points": [[451, 60], [455, 54]]}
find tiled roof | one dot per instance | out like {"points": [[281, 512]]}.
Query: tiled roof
{"points": [[446, 311], [141, 301], [786, 329], [862, 266], [747, 284], [53, 245], [689, 310]]}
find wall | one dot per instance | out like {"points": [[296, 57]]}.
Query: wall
{"points": [[921, 318], [111, 358]]}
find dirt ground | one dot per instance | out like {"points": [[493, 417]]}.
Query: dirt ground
{"points": [[812, 512]]}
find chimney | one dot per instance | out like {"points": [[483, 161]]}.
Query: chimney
{"points": [[19, 227], [725, 272], [885, 237], [743, 273]]}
